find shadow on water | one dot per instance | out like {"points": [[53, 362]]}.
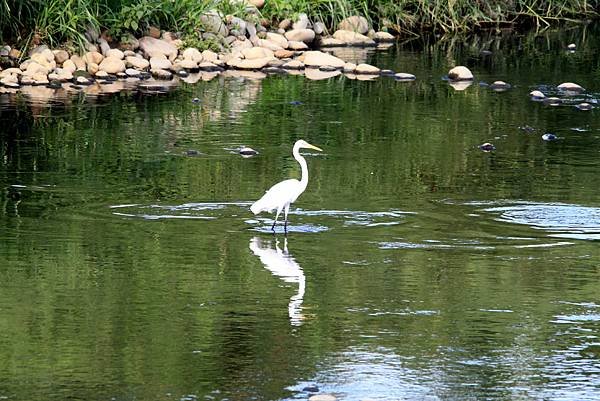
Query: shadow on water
{"points": [[282, 264]]}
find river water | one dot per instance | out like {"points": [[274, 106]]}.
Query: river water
{"points": [[417, 266]]}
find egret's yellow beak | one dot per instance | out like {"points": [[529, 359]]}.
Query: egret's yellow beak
{"points": [[308, 145]]}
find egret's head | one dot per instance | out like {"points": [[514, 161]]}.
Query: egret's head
{"points": [[303, 144]]}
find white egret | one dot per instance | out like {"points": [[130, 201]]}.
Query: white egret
{"points": [[282, 194]]}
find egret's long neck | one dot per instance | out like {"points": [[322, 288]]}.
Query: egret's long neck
{"points": [[303, 166]]}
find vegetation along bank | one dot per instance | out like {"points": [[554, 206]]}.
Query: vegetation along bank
{"points": [[83, 42]]}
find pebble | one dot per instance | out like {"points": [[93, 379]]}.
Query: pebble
{"points": [[536, 95], [499, 86], [552, 101], [584, 106], [246, 151], [549, 136], [487, 147], [527, 128], [311, 389], [195, 100]]}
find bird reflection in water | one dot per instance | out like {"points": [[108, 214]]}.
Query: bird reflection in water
{"points": [[282, 264]]}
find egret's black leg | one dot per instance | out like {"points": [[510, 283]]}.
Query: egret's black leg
{"points": [[275, 222]]}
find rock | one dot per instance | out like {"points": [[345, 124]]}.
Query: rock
{"points": [[570, 87], [43, 61], [169, 36], [83, 81], [319, 28], [403, 76], [247, 151], [93, 57], [572, 46], [257, 3], [349, 67], [129, 42], [70, 66], [161, 74], [78, 61], [209, 55], [112, 65], [383, 37], [268, 44], [296, 45], [257, 52], [366, 69], [311, 389], [152, 47], [129, 53], [60, 56], [584, 106], [331, 42], [549, 136], [137, 62], [237, 24], [116, 53], [132, 73], [318, 59], [353, 38], [193, 54], [11, 71], [160, 63], [101, 74], [536, 95], [460, 73], [252, 64], [93, 68], [213, 22], [278, 39], [285, 24], [355, 23], [34, 68], [487, 147], [293, 65], [5, 51], [188, 64], [10, 80], [300, 35], [153, 32], [14, 54], [104, 46], [500, 86], [302, 22], [284, 54], [61, 74]]}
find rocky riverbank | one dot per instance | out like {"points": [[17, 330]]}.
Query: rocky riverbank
{"points": [[299, 47]]}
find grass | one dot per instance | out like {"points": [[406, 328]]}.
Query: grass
{"points": [[58, 21]]}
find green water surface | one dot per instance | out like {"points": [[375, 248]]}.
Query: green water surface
{"points": [[417, 266]]}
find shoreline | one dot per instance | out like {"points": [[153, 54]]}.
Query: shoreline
{"points": [[300, 46]]}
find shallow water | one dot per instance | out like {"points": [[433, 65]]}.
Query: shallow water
{"points": [[416, 266]]}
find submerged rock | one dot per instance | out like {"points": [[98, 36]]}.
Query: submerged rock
{"points": [[247, 151], [403, 76], [487, 147], [584, 106], [537, 95], [500, 86], [552, 101], [549, 136], [570, 87]]}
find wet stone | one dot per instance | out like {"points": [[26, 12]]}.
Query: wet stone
{"points": [[54, 84], [549, 137]]}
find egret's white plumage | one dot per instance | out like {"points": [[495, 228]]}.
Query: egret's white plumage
{"points": [[281, 195]]}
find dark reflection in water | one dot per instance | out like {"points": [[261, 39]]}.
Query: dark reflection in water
{"points": [[419, 267]]}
